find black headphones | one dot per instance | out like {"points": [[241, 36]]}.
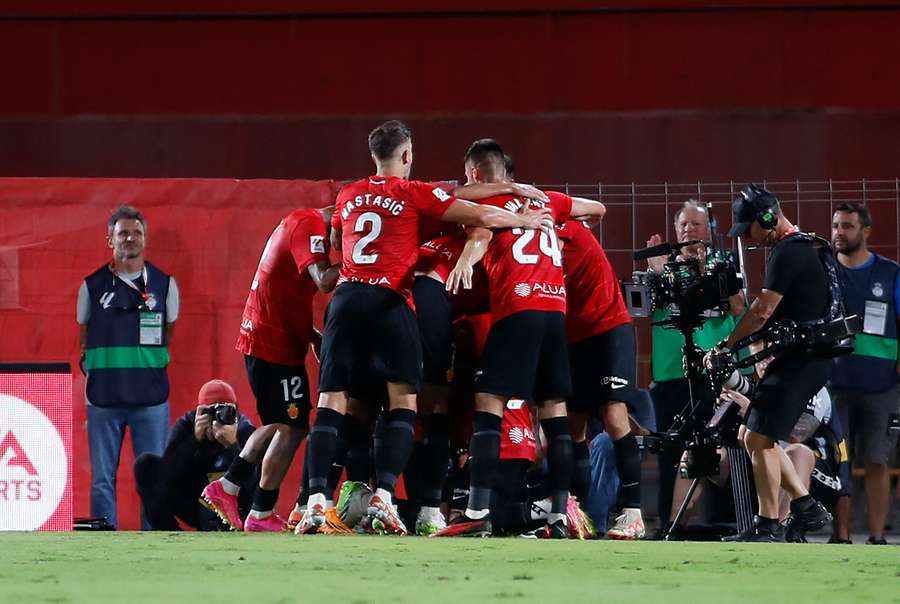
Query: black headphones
{"points": [[763, 203]]}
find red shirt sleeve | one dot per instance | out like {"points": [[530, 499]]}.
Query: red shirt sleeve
{"points": [[309, 242], [430, 199], [560, 205]]}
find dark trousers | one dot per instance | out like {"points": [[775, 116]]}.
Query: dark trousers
{"points": [[165, 499]]}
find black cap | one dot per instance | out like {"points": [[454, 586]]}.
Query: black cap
{"points": [[749, 203]]}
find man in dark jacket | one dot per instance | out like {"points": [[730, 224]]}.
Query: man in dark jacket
{"points": [[201, 446]]}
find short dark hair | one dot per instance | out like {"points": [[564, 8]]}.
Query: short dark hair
{"points": [[853, 207], [510, 165], [386, 138], [484, 152], [125, 213]]}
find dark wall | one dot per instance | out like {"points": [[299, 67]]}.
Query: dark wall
{"points": [[643, 91]]}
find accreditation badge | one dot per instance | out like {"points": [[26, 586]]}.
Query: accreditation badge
{"points": [[875, 317], [151, 328]]}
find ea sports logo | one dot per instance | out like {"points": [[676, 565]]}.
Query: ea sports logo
{"points": [[523, 290], [33, 466]]}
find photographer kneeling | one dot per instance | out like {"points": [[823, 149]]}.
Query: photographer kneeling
{"points": [[796, 288], [201, 446]]}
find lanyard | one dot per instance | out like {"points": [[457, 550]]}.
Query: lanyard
{"points": [[144, 295]]}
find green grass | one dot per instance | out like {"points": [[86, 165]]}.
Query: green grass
{"points": [[220, 568]]}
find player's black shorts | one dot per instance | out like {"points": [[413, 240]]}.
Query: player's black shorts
{"points": [[433, 313], [603, 370], [370, 334], [281, 391], [526, 356], [782, 394]]}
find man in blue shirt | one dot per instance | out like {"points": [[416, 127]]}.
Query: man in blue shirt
{"points": [[864, 385]]}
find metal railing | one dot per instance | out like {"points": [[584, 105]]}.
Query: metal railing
{"points": [[810, 204]]}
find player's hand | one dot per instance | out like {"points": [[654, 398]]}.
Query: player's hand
{"points": [[202, 423], [658, 263], [225, 435], [537, 219], [529, 192], [460, 275]]}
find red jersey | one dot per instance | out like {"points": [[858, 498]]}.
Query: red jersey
{"points": [[594, 296], [277, 319], [517, 432], [524, 267], [379, 220], [440, 256]]}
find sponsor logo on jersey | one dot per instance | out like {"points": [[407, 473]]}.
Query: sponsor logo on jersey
{"points": [[441, 194], [247, 324], [523, 290], [316, 244], [516, 435], [370, 280], [549, 289]]}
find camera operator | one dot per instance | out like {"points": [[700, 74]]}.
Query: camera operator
{"points": [[796, 287], [202, 444], [670, 390]]}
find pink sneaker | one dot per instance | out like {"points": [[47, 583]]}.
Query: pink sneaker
{"points": [[384, 517], [273, 523], [216, 499]]}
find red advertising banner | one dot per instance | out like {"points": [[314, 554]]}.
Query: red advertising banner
{"points": [[35, 447]]}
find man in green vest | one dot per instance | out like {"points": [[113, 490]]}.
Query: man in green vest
{"points": [[864, 384], [126, 311], [670, 390]]}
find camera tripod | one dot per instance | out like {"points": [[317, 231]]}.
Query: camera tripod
{"points": [[702, 452]]}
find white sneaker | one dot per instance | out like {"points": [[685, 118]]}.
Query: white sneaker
{"points": [[629, 525], [430, 520]]}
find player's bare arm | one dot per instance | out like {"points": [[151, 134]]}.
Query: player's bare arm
{"points": [[324, 275], [477, 240], [334, 238], [472, 214], [484, 190], [587, 209]]}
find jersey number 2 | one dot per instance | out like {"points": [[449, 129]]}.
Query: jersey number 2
{"points": [[367, 218]]}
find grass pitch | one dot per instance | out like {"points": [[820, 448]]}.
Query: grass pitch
{"points": [[219, 568]]}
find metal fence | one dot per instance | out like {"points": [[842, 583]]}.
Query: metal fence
{"points": [[639, 210]]}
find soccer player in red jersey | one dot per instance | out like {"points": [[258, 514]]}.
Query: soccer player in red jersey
{"points": [[526, 353], [274, 338], [435, 311], [602, 355], [370, 324]]}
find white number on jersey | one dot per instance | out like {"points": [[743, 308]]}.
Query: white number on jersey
{"points": [[359, 256], [549, 246]]}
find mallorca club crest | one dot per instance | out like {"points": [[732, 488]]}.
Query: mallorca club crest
{"points": [[292, 411]]}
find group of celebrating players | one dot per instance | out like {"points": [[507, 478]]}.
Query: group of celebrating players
{"points": [[518, 263]]}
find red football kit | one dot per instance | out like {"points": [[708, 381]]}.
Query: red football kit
{"points": [[440, 256], [524, 267], [593, 293], [379, 218], [277, 320], [517, 439]]}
